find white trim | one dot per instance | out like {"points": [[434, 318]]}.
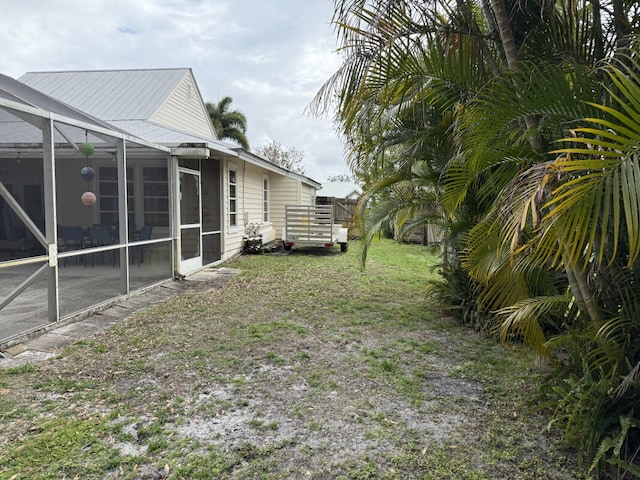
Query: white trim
{"points": [[267, 165], [232, 227], [266, 202], [191, 264]]}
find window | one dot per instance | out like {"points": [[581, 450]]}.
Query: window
{"points": [[147, 195], [156, 196], [265, 198], [233, 197], [108, 192]]}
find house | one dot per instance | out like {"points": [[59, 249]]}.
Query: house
{"points": [[113, 181], [343, 190]]}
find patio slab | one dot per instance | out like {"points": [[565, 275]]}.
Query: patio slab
{"points": [[48, 344]]}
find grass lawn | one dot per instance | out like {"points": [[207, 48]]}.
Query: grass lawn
{"points": [[302, 367]]}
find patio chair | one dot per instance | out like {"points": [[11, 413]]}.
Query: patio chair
{"points": [[73, 239], [100, 236], [145, 234]]}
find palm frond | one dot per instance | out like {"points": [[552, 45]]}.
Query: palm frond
{"points": [[523, 319], [633, 377]]}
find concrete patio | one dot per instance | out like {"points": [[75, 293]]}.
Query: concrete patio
{"points": [[50, 340]]}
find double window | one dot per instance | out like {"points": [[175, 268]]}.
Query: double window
{"points": [[147, 195]]}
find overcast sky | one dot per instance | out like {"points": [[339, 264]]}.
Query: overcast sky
{"points": [[270, 56]]}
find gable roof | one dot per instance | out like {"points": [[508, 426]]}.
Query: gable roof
{"points": [[16, 91], [157, 106], [21, 104], [340, 189], [166, 97]]}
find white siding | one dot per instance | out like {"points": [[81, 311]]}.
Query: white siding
{"points": [[253, 194], [307, 194], [249, 191], [185, 110], [282, 191]]}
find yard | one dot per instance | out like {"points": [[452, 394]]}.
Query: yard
{"points": [[302, 367]]}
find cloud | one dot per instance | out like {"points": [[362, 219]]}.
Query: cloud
{"points": [[271, 57], [129, 30]]}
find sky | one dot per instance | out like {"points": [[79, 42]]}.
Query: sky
{"points": [[270, 56]]}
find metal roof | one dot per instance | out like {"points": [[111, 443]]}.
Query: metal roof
{"points": [[18, 102], [17, 131], [154, 132], [11, 89], [126, 98], [268, 165], [110, 94]]}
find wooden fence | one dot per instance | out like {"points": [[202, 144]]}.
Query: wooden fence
{"points": [[343, 210]]}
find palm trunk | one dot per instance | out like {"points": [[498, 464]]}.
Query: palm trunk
{"points": [[582, 293], [621, 24], [487, 55], [506, 34], [597, 30], [513, 62], [577, 276]]}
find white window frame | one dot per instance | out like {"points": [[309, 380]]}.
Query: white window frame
{"points": [[135, 178], [266, 198], [233, 226]]}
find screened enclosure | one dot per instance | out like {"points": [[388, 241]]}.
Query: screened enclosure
{"points": [[93, 210], [85, 213]]}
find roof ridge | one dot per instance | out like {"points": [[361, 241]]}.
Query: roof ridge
{"points": [[111, 70]]}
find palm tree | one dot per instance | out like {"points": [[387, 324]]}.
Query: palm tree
{"points": [[509, 79], [580, 213], [228, 124]]}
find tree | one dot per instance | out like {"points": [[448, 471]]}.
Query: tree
{"points": [[228, 124], [453, 108], [285, 157], [341, 177]]}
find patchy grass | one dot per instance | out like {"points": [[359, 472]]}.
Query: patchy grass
{"points": [[303, 366]]}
